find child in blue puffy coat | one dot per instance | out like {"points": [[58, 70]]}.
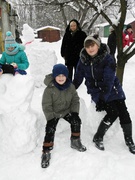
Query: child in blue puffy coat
{"points": [[98, 69]]}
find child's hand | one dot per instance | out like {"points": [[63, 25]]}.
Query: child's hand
{"points": [[1, 71], [127, 37], [14, 65]]}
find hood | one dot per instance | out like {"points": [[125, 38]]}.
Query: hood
{"points": [[86, 59], [48, 81], [21, 47]]}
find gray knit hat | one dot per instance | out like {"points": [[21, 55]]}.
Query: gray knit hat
{"points": [[94, 38], [10, 40]]}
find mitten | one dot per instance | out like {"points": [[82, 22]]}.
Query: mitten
{"points": [[22, 72], [100, 105], [7, 68]]}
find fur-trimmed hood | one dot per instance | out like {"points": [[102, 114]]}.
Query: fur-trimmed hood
{"points": [[87, 59]]}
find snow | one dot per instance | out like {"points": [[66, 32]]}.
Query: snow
{"points": [[28, 34], [47, 27], [22, 125]]}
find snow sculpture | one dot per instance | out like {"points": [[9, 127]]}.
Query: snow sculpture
{"points": [[28, 34], [17, 120]]}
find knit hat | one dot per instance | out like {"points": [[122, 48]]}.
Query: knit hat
{"points": [[10, 40], [94, 38], [60, 69], [128, 26]]}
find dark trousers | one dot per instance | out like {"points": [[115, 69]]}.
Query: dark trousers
{"points": [[70, 69], [51, 125], [115, 109]]}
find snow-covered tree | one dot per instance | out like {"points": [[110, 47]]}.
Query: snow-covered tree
{"points": [[87, 12]]}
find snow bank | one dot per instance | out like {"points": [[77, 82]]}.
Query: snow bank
{"points": [[18, 132], [42, 59]]}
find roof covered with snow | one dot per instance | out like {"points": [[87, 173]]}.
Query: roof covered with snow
{"points": [[47, 27]]}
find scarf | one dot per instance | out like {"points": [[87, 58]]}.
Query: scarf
{"points": [[63, 86]]}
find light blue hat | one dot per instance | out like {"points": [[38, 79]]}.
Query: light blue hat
{"points": [[10, 40]]}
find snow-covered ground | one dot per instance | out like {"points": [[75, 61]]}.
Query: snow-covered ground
{"points": [[22, 124]]}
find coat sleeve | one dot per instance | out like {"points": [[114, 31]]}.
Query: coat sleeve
{"points": [[47, 105], [3, 59], [79, 75], [75, 104], [64, 46], [112, 43], [24, 64], [108, 79]]}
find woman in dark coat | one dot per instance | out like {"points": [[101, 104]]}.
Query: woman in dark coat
{"points": [[72, 44], [97, 66]]}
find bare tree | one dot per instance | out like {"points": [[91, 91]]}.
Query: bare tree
{"points": [[118, 25], [88, 12]]}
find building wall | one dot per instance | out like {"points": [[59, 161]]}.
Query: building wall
{"points": [[49, 35], [7, 22]]}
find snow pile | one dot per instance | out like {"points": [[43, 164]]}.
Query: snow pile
{"points": [[41, 60], [18, 132]]}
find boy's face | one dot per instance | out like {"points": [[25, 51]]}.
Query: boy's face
{"points": [[92, 50], [60, 79]]}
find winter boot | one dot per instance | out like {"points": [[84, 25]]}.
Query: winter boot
{"points": [[76, 144], [46, 156], [127, 129], [98, 137], [45, 159]]}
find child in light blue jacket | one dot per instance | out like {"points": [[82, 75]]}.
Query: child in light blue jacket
{"points": [[13, 59]]}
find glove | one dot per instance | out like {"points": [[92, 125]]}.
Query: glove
{"points": [[7, 68], [100, 105], [73, 118]]}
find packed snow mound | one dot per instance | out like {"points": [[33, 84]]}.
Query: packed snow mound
{"points": [[41, 61], [18, 133]]}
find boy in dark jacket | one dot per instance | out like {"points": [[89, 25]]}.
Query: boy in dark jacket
{"points": [[97, 66], [60, 100]]}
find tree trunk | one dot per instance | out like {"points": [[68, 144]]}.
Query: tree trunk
{"points": [[120, 73]]}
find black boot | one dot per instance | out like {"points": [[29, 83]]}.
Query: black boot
{"points": [[76, 144], [45, 159], [98, 137], [127, 129]]}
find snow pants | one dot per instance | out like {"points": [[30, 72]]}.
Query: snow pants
{"points": [[75, 123], [115, 109]]}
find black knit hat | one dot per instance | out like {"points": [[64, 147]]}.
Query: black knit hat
{"points": [[60, 69], [128, 26]]}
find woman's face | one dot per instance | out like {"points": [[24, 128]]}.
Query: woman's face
{"points": [[60, 79], [73, 26], [92, 50]]}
